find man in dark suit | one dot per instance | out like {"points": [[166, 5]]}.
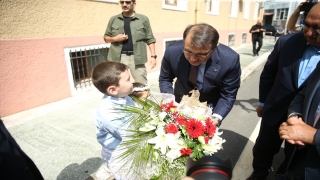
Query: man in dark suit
{"points": [[293, 59], [302, 129], [199, 61], [14, 163]]}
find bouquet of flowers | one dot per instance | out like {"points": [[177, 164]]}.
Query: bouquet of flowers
{"points": [[164, 134]]}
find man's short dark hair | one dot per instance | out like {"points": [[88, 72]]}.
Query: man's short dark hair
{"points": [[202, 34], [106, 74]]}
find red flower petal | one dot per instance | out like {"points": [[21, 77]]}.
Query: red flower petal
{"points": [[210, 128], [195, 128], [171, 128]]}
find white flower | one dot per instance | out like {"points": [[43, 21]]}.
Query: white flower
{"points": [[214, 144], [201, 140], [162, 115], [147, 127], [175, 146], [162, 140]]}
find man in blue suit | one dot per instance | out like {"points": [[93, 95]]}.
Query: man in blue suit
{"points": [[302, 129], [285, 73], [199, 61]]}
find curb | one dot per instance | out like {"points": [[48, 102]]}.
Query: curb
{"points": [[252, 66]]}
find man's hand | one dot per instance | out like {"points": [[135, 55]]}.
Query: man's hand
{"points": [[152, 63], [295, 131], [215, 121], [120, 37], [259, 111]]}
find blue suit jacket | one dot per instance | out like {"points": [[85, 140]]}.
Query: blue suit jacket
{"points": [[279, 78], [306, 102], [221, 77]]}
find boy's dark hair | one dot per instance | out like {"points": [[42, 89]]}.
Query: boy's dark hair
{"points": [[106, 74]]}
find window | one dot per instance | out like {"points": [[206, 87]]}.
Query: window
{"points": [[234, 8], [282, 14], [213, 7], [80, 62], [244, 38], [178, 5], [168, 41], [246, 12], [231, 40], [171, 2]]}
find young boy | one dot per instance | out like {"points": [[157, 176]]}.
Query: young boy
{"points": [[114, 80]]}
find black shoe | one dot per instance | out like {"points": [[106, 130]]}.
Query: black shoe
{"points": [[254, 55], [257, 54], [254, 177]]}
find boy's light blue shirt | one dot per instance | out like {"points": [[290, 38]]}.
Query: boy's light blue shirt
{"points": [[110, 124]]}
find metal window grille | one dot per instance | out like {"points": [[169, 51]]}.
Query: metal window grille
{"points": [[244, 38], [231, 39], [81, 61]]}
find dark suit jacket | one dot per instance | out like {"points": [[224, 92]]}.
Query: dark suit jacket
{"points": [[14, 163], [279, 78], [306, 102], [221, 77]]}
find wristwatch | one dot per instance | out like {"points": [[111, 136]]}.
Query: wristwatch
{"points": [[155, 56], [294, 114]]}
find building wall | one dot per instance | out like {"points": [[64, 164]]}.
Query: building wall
{"points": [[33, 36]]}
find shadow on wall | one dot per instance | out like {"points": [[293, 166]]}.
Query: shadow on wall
{"points": [[82, 171]]}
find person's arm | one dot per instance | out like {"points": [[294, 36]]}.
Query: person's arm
{"points": [[229, 88], [268, 76], [153, 61], [150, 42], [293, 19], [253, 30], [108, 35], [166, 73], [269, 72], [117, 38]]}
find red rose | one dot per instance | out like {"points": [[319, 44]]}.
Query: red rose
{"points": [[180, 120], [171, 128], [186, 151]]}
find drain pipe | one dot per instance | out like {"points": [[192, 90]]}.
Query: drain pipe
{"points": [[196, 11]]}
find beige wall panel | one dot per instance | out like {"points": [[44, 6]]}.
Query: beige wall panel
{"points": [[37, 18]]}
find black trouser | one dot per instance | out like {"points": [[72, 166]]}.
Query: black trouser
{"points": [[254, 42], [268, 144]]}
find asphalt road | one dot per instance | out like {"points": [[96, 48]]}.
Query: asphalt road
{"points": [[241, 127]]}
